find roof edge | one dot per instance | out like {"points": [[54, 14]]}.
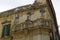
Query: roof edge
{"points": [[53, 13]]}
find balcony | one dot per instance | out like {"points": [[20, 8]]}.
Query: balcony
{"points": [[39, 23]]}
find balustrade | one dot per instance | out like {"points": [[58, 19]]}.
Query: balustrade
{"points": [[39, 23]]}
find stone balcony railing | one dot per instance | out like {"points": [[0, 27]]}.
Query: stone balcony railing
{"points": [[28, 25]]}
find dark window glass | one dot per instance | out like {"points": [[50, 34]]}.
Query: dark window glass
{"points": [[42, 11], [52, 36], [6, 30], [17, 17], [56, 34], [28, 15]]}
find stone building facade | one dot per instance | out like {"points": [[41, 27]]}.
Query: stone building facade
{"points": [[36, 21]]}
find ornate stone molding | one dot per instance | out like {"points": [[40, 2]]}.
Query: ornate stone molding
{"points": [[21, 9]]}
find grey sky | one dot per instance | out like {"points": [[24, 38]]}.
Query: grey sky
{"points": [[56, 4], [9, 4]]}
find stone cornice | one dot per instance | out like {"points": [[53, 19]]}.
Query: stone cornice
{"points": [[21, 9]]}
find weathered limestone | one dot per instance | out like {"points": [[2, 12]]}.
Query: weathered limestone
{"points": [[30, 22]]}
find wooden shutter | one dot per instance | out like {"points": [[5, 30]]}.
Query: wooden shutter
{"points": [[6, 30]]}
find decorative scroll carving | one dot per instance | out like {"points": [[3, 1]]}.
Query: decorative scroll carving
{"points": [[40, 23]]}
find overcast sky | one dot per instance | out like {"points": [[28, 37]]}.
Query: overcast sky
{"points": [[10, 4], [56, 4]]}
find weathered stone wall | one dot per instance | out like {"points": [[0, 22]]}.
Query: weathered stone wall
{"points": [[37, 12]]}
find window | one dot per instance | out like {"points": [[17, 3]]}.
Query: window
{"points": [[42, 11], [56, 35], [6, 30], [42, 22], [16, 19], [52, 36], [28, 15]]}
